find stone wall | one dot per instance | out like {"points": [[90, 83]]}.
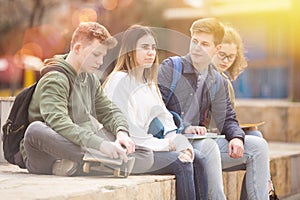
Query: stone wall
{"points": [[281, 117]]}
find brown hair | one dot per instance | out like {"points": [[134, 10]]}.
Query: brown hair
{"points": [[233, 37], [210, 26], [127, 56], [88, 31]]}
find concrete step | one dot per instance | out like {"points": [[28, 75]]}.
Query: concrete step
{"points": [[284, 164], [16, 183]]}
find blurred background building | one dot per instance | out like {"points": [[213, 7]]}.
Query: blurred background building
{"points": [[32, 30]]}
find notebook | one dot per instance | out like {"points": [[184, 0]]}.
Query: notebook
{"points": [[207, 135]]}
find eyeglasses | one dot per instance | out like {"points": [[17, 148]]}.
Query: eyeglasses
{"points": [[223, 56]]}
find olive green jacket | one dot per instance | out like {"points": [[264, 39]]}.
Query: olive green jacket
{"points": [[73, 116]]}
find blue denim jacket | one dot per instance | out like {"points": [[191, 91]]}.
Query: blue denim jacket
{"points": [[220, 108]]}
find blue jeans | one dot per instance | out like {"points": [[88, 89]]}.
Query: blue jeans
{"points": [[209, 169], [244, 190], [43, 146], [168, 163], [256, 163]]}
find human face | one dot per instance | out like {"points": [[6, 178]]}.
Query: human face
{"points": [[92, 56], [202, 49], [145, 51], [225, 57]]}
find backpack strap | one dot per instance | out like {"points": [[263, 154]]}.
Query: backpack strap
{"points": [[177, 70], [59, 69]]}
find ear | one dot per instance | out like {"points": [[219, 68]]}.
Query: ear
{"points": [[77, 47], [218, 47]]}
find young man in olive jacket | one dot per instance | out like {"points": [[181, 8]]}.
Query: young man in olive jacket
{"points": [[201, 94], [65, 125]]}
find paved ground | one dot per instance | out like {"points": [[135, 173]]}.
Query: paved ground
{"points": [[294, 197]]}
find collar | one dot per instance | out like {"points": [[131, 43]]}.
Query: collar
{"points": [[189, 69]]}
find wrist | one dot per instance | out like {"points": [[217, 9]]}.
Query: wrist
{"points": [[122, 131]]}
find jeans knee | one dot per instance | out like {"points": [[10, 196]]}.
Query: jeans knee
{"points": [[33, 130], [207, 148], [257, 145], [256, 133]]}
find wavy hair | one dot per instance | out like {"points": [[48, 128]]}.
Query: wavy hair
{"points": [[231, 36]]}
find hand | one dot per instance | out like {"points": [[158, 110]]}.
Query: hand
{"points": [[113, 150], [124, 140], [236, 148], [199, 130], [172, 146], [186, 155]]}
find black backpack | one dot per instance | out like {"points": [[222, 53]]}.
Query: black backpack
{"points": [[17, 122]]}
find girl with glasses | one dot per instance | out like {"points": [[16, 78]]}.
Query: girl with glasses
{"points": [[230, 62]]}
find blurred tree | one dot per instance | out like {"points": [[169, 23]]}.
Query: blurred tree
{"points": [[18, 15], [43, 28]]}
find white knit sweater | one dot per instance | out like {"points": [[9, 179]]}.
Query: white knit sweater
{"points": [[141, 104]]}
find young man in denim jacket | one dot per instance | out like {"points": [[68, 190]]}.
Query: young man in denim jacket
{"points": [[192, 99]]}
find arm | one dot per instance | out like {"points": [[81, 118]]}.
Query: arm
{"points": [[108, 113], [53, 98], [225, 118], [224, 114]]}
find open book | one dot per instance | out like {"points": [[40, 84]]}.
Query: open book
{"points": [[207, 135], [251, 125], [92, 155]]}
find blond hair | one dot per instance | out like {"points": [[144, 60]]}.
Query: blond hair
{"points": [[210, 26], [233, 37]]}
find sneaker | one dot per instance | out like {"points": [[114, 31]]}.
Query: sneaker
{"points": [[64, 167], [273, 195]]}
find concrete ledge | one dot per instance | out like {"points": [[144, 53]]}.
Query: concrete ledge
{"points": [[16, 183], [281, 117], [284, 164]]}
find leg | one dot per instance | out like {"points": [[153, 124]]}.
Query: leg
{"points": [[200, 177], [209, 177], [254, 133], [144, 159], [168, 163], [44, 146], [243, 189], [254, 160]]}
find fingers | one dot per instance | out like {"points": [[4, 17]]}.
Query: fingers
{"points": [[235, 151], [122, 154], [172, 146], [126, 141], [185, 157], [119, 152], [113, 150], [199, 130], [130, 146]]}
